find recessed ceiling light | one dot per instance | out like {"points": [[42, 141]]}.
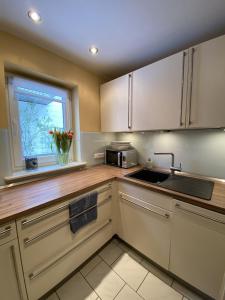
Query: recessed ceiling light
{"points": [[34, 16], [93, 50]]}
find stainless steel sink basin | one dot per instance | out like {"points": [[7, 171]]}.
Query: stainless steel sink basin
{"points": [[183, 184]]}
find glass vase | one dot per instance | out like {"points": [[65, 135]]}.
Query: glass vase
{"points": [[63, 158]]}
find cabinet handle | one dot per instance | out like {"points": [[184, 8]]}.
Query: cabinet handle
{"points": [[166, 215], [177, 205], [28, 241], [39, 272], [12, 249], [191, 84], [182, 89], [130, 102], [49, 214], [6, 231]]}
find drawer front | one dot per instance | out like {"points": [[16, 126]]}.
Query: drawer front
{"points": [[44, 219], [12, 285], [7, 232], [146, 227], [198, 247], [46, 276], [54, 242], [48, 234], [146, 195]]}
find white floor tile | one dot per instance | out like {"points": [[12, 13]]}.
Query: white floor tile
{"points": [[157, 272], [154, 289], [185, 291], [90, 265], [127, 294], [105, 281], [52, 297], [129, 270], [110, 253], [76, 288]]}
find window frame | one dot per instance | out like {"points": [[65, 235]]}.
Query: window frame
{"points": [[18, 161]]}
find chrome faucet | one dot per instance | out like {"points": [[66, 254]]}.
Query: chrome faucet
{"points": [[172, 167]]}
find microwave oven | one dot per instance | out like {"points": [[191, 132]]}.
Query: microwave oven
{"points": [[121, 158]]}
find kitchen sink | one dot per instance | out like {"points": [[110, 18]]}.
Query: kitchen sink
{"points": [[149, 176], [183, 184]]}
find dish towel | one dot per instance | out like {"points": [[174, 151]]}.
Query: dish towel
{"points": [[81, 213]]}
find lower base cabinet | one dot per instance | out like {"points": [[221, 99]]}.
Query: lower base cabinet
{"points": [[12, 285], [144, 225], [198, 247], [57, 268], [50, 251], [187, 240]]}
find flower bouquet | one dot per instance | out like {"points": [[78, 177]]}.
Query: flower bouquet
{"points": [[62, 141]]}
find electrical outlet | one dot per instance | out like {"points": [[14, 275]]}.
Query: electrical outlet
{"points": [[99, 155]]}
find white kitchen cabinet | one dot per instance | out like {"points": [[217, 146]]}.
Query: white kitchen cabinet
{"points": [[7, 232], [206, 88], [116, 104], [159, 94], [185, 90], [198, 247], [47, 233], [143, 225], [12, 285]]}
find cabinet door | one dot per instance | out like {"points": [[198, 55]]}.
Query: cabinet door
{"points": [[198, 247], [11, 277], [116, 105], [159, 94], [206, 100], [145, 227], [60, 252]]}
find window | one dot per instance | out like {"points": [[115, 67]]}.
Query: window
{"points": [[36, 108]]}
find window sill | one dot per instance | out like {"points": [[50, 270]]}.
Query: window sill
{"points": [[41, 172]]}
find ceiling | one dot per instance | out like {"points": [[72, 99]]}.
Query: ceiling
{"points": [[128, 33]]}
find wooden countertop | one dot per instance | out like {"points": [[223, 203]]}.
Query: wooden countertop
{"points": [[21, 200]]}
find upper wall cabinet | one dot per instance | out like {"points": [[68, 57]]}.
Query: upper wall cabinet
{"points": [[159, 94], [185, 90], [116, 105], [206, 93]]}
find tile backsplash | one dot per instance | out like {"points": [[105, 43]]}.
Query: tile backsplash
{"points": [[199, 151]]}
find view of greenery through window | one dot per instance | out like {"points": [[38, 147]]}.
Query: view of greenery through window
{"points": [[35, 120]]}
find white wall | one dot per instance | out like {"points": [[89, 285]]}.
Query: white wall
{"points": [[199, 151]]}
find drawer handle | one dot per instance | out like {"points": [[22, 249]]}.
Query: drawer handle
{"points": [[166, 215], [177, 205], [130, 101], [51, 213], [191, 84], [182, 89], [39, 272], [15, 265], [28, 241], [6, 231]]}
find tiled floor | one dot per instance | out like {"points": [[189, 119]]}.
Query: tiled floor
{"points": [[119, 273]]}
